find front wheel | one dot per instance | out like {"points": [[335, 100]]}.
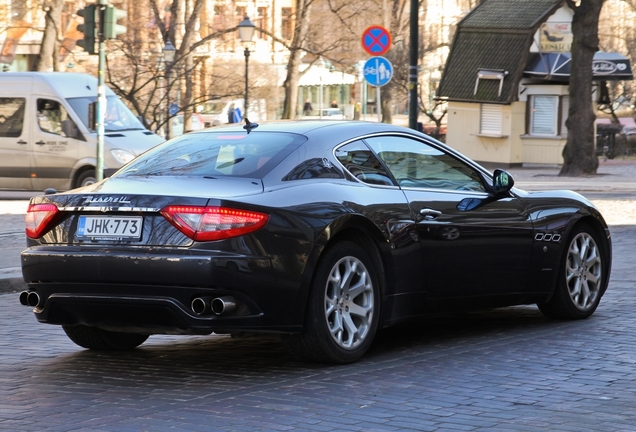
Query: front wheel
{"points": [[343, 310], [581, 279], [103, 340]]}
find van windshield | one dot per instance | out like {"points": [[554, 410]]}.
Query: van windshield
{"points": [[118, 116]]}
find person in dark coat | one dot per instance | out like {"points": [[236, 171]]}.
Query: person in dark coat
{"points": [[307, 108], [230, 114]]}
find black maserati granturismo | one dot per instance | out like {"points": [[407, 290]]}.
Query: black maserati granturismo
{"points": [[320, 231]]}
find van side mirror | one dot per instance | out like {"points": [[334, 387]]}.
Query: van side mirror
{"points": [[502, 182], [92, 116]]}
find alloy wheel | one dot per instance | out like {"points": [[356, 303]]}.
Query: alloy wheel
{"points": [[583, 271], [349, 302]]}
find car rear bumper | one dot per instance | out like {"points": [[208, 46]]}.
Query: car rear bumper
{"points": [[152, 293], [150, 314]]}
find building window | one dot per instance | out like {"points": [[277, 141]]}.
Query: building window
{"points": [[543, 115], [286, 18], [491, 119], [547, 115], [262, 22], [564, 109]]}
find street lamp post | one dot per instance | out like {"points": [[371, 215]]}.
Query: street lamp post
{"points": [[169, 52], [321, 65], [246, 33]]}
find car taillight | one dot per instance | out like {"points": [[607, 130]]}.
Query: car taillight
{"points": [[213, 223], [38, 219]]}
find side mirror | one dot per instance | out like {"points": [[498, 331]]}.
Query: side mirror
{"points": [[502, 182]]}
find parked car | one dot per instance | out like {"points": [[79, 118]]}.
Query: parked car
{"points": [[327, 114], [177, 124], [322, 232]]}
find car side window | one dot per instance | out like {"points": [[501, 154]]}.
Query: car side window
{"points": [[419, 165], [11, 117], [53, 118], [360, 161]]}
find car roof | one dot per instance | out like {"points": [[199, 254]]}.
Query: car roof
{"points": [[306, 127]]}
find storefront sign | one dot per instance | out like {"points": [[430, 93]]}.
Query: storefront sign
{"points": [[555, 37]]}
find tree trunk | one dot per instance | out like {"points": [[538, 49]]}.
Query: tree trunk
{"points": [[53, 11], [293, 74], [579, 153]]}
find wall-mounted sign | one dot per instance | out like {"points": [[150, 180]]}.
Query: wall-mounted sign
{"points": [[555, 37]]}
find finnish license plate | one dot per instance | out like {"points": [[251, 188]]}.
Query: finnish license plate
{"points": [[108, 227]]}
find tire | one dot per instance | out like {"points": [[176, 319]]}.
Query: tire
{"points": [[343, 308], [581, 280], [103, 340], [86, 178]]}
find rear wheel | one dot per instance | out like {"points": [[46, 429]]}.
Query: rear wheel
{"points": [[86, 178], [103, 340], [581, 279], [343, 310]]}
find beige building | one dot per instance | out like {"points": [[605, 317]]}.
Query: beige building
{"points": [[506, 81]]}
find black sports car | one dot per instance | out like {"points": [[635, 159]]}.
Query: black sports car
{"points": [[322, 232]]}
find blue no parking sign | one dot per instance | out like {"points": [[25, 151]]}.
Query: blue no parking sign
{"points": [[378, 71]]}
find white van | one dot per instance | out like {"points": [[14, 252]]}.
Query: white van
{"points": [[45, 140]]}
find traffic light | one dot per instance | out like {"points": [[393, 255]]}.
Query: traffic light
{"points": [[111, 29], [88, 28]]}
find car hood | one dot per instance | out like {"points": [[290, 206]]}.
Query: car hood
{"points": [[203, 187], [135, 141]]}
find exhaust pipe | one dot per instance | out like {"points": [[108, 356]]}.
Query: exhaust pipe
{"points": [[33, 299], [200, 305], [223, 305], [23, 298]]}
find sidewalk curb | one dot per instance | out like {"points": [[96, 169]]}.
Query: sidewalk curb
{"points": [[12, 285]]}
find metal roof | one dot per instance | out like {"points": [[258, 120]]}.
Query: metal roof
{"points": [[496, 35]]}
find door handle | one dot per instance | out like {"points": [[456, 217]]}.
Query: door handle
{"points": [[430, 214], [22, 142], [40, 142]]}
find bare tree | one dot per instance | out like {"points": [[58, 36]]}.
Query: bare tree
{"points": [[579, 153], [303, 8], [47, 59]]}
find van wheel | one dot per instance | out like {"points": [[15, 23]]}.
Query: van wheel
{"points": [[86, 178]]}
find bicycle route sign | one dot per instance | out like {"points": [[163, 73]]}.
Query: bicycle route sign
{"points": [[378, 71], [376, 40]]}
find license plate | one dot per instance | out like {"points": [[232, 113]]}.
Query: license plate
{"points": [[109, 227]]}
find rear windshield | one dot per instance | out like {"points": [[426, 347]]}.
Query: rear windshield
{"points": [[235, 154]]}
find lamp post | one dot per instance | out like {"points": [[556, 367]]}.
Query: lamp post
{"points": [[169, 52], [321, 65], [246, 33]]}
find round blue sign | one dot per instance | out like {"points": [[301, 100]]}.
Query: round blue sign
{"points": [[174, 108], [378, 71]]}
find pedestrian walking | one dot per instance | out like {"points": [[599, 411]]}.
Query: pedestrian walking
{"points": [[307, 108], [238, 115], [231, 114]]}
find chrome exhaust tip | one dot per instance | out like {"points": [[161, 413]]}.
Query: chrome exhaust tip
{"points": [[23, 298], [223, 305], [200, 305], [33, 299]]}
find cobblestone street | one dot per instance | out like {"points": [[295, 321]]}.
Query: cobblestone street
{"points": [[509, 369]]}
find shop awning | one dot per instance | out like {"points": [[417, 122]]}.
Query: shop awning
{"points": [[556, 66]]}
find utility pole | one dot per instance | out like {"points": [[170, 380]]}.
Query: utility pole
{"points": [[101, 90], [413, 57]]}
